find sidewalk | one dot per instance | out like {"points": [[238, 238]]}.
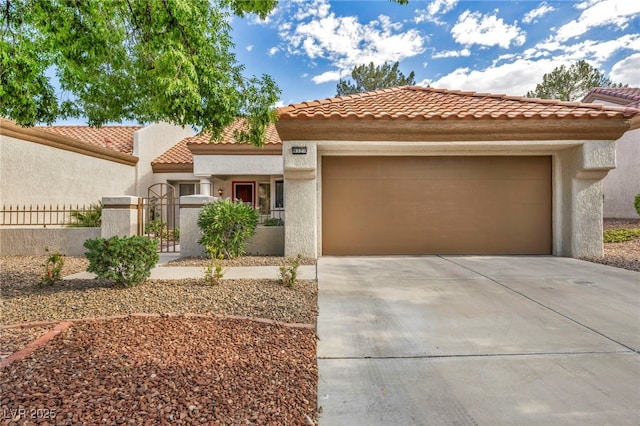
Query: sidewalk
{"points": [[305, 272]]}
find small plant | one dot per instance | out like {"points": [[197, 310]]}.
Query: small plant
{"points": [[636, 203], [620, 235], [127, 260], [214, 273], [53, 268], [92, 218], [226, 225], [273, 221], [289, 271], [156, 227]]}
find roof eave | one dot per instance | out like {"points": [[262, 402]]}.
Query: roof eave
{"points": [[234, 149], [452, 130], [172, 168], [43, 137]]}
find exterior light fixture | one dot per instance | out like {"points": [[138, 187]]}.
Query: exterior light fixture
{"points": [[220, 192]]}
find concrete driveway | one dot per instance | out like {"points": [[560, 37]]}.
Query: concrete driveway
{"points": [[457, 340]]}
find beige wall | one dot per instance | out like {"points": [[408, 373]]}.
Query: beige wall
{"points": [[623, 183], [32, 241], [33, 173], [148, 144]]}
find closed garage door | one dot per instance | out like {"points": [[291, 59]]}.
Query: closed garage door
{"points": [[436, 205]]}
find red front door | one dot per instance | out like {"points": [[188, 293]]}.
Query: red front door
{"points": [[244, 192]]}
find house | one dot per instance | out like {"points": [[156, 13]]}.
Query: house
{"points": [[415, 170], [622, 184], [406, 170]]}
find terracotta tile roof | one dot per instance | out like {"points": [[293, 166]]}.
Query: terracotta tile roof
{"points": [[627, 96], [118, 138], [227, 138], [177, 154], [425, 103]]}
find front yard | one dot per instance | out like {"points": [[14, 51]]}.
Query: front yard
{"points": [[177, 369]]}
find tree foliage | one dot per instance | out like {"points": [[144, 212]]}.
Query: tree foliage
{"points": [[136, 60], [371, 77], [571, 84]]}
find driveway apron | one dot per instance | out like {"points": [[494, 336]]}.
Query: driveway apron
{"points": [[422, 340]]}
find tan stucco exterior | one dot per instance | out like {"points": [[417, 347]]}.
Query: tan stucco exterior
{"points": [[622, 184]]}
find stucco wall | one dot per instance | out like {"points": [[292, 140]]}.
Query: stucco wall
{"points": [[32, 241], [151, 142], [623, 183], [206, 165], [32, 173]]}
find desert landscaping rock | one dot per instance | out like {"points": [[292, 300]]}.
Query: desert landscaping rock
{"points": [[167, 370]]}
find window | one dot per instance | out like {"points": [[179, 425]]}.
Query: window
{"points": [[186, 189], [279, 202]]}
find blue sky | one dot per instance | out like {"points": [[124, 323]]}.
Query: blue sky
{"points": [[484, 46]]}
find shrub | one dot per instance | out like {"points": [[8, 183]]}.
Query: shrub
{"points": [[127, 260], [92, 218], [226, 225], [53, 268], [620, 235], [156, 227], [289, 271], [636, 203], [273, 221]]}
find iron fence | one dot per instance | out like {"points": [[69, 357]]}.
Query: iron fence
{"points": [[43, 215]]}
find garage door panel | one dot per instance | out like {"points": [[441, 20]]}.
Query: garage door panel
{"points": [[436, 205]]}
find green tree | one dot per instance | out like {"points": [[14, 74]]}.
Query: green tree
{"points": [[371, 77], [143, 60], [571, 84]]}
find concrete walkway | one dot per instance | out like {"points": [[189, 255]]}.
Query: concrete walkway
{"points": [[433, 340], [160, 272]]}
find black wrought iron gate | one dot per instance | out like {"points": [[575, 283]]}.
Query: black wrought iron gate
{"points": [[159, 215]]}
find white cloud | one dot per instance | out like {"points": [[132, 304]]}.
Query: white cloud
{"points": [[596, 14], [249, 48], [626, 71], [434, 10], [273, 51], [515, 78], [538, 12], [346, 43], [451, 54], [486, 30]]}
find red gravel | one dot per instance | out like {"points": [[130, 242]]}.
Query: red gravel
{"points": [[166, 370]]}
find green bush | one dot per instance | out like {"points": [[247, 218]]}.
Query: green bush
{"points": [[156, 227], [128, 260], [636, 203], [92, 218], [226, 225], [620, 235], [273, 221]]}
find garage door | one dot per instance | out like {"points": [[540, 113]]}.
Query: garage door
{"points": [[436, 205]]}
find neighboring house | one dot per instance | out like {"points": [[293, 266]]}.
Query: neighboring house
{"points": [[413, 170], [79, 164], [622, 184]]}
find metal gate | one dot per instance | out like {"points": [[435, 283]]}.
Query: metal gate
{"points": [[158, 217]]}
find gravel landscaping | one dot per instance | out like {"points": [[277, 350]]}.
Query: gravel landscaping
{"points": [[625, 255], [163, 369]]}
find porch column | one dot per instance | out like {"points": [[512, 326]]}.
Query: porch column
{"points": [[301, 200], [190, 206], [119, 216], [205, 186]]}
